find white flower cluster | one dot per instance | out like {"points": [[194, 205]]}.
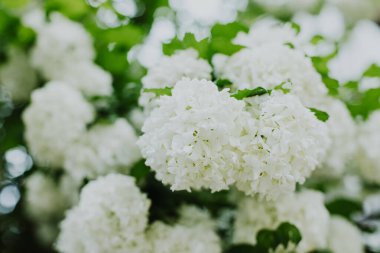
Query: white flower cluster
{"points": [[17, 77], [305, 210], [271, 65], [191, 139], [64, 52], [357, 9], [342, 131], [268, 31], [344, 237], [111, 217], [287, 7], [202, 138], [286, 145], [169, 71], [194, 233], [57, 115], [103, 149], [369, 149]]}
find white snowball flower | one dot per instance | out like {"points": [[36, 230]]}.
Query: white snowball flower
{"points": [[271, 65], [86, 77], [268, 31], [17, 76], [368, 152], [187, 236], [288, 143], [305, 210], [344, 237], [287, 7], [170, 70], [368, 83], [190, 140], [137, 117], [60, 42], [342, 131], [105, 148], [44, 198], [57, 115], [110, 217]]}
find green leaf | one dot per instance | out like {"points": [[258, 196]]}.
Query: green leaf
{"points": [[160, 92], [290, 45], [283, 88], [188, 41], [321, 251], [267, 239], [244, 248], [241, 94], [222, 83], [372, 71], [321, 115], [344, 207], [331, 84], [287, 232], [296, 27], [317, 39], [222, 36]]}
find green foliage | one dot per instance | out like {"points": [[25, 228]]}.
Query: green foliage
{"points": [[344, 207], [321, 251], [372, 71], [296, 27], [160, 92], [223, 83], [241, 94], [220, 41], [317, 39], [321, 115], [75, 9]]}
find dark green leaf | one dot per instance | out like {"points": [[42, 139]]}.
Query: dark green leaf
{"points": [[287, 232], [290, 45], [321, 115], [321, 251], [221, 83], [222, 36], [331, 84], [344, 207], [267, 239], [241, 94], [244, 248], [160, 92]]}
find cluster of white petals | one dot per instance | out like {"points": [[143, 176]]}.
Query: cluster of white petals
{"points": [[305, 210], [286, 145], [287, 7], [271, 65], [169, 71], [268, 31], [194, 233], [44, 198], [111, 217], [71, 58], [368, 152], [57, 116], [190, 139], [17, 77], [357, 9], [342, 131], [105, 148], [344, 237]]}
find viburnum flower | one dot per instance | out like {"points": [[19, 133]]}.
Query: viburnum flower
{"points": [[111, 216], [190, 139], [271, 65], [342, 131], [286, 145], [287, 7], [341, 231], [189, 235], [305, 210], [17, 77], [57, 115], [105, 148], [169, 71], [59, 42], [369, 149]]}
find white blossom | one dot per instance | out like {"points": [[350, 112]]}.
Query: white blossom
{"points": [[189, 235], [271, 65], [357, 9], [105, 148], [342, 131], [60, 42], [169, 71], [305, 210], [286, 145], [287, 7], [369, 149], [344, 237], [17, 77], [111, 217], [86, 77], [190, 139], [57, 115]]}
